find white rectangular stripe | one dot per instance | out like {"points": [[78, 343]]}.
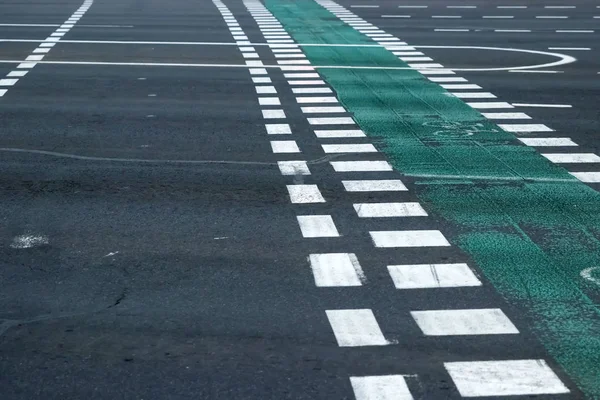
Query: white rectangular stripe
{"points": [[323, 110], [510, 115], [349, 148], [278, 129], [340, 133], [316, 99], [474, 95], [490, 105], [587, 177], [430, 276], [311, 90], [384, 387], [518, 128], [491, 321], [336, 270], [313, 226], [293, 167], [548, 142], [284, 146], [380, 185], [379, 210], [302, 194], [354, 328], [504, 378], [331, 121], [422, 238], [563, 158], [463, 86], [360, 166]]}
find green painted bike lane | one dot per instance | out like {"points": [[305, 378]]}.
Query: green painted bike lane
{"points": [[529, 225]]}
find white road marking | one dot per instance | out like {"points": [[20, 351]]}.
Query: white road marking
{"points": [[548, 142], [513, 30], [490, 105], [504, 378], [8, 82], [265, 89], [310, 82], [450, 30], [316, 99], [422, 238], [461, 6], [341, 133], [261, 80], [278, 129], [395, 16], [551, 16], [473, 95], [512, 115], [425, 65], [464, 322], [364, 6], [289, 55], [559, 6], [384, 387], [512, 7], [336, 270], [413, 6], [413, 59], [331, 121], [381, 210], [269, 101], [302, 194], [17, 74], [273, 114], [349, 148], [574, 31], [542, 105], [323, 110], [284, 146], [446, 79], [313, 226], [461, 86], [380, 185], [429, 276], [311, 90], [520, 128], [293, 167], [354, 328], [578, 158], [498, 16], [360, 166], [570, 48], [446, 16], [587, 177]]}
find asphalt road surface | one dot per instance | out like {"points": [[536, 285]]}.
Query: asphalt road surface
{"points": [[279, 199]]}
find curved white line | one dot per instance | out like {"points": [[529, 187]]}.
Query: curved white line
{"points": [[564, 59]]}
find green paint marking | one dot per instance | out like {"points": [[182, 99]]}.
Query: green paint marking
{"points": [[528, 224]]}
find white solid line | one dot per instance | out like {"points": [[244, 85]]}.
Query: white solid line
{"points": [[587, 177], [336, 270], [490, 105], [278, 129], [316, 99], [570, 48], [564, 158], [382, 210], [429, 276], [323, 110], [313, 226], [331, 121], [284, 146], [293, 167], [31, 25], [341, 133], [360, 166], [302, 194], [473, 95], [548, 142], [542, 105], [422, 238], [354, 328], [519, 128], [269, 101], [491, 321], [380, 185], [384, 387], [311, 90], [349, 148], [273, 114], [461, 86], [504, 378], [511, 115]]}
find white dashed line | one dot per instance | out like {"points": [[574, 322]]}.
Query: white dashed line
{"points": [[464, 322], [504, 378], [385, 387], [336, 270], [313, 226], [430, 276], [354, 328], [379, 210], [423, 238]]}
